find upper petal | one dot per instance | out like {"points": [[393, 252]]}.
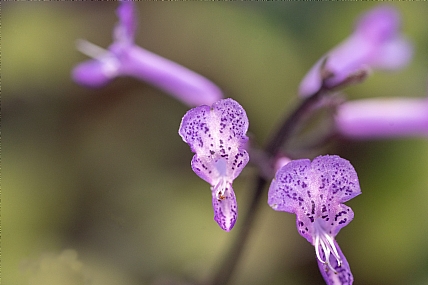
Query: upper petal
{"points": [[217, 136], [394, 54], [336, 177], [125, 30], [315, 192], [379, 24], [289, 189]]}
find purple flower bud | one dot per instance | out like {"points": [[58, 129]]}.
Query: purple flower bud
{"points": [[217, 136], [124, 58], [383, 118], [315, 191], [376, 43]]}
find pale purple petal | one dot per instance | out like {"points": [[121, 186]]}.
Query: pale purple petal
{"points": [[125, 30], [217, 135], [312, 81], [280, 162], [379, 24], [343, 274], [383, 118], [287, 190], [94, 73], [335, 176], [225, 207], [184, 84], [393, 55]]}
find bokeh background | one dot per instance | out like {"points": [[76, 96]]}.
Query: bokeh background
{"points": [[97, 185]]}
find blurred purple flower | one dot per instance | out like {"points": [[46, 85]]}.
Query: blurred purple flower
{"points": [[125, 58], [217, 136], [383, 118], [376, 43], [315, 193]]}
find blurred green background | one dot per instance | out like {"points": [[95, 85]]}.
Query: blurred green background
{"points": [[97, 185]]}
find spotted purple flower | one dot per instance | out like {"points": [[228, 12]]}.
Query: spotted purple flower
{"points": [[125, 58], [217, 136], [376, 43], [315, 192], [383, 118]]}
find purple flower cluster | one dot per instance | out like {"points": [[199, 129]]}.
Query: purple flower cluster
{"points": [[216, 129]]}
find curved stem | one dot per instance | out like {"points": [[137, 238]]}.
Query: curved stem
{"points": [[279, 137]]}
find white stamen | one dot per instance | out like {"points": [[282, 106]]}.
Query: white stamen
{"points": [[323, 241], [90, 49]]}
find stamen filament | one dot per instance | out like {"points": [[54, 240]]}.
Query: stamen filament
{"points": [[323, 241], [90, 49]]}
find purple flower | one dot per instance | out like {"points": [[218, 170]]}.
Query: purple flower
{"points": [[382, 118], [315, 193], [217, 136], [125, 58], [375, 43]]}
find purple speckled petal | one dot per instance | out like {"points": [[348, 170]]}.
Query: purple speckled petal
{"points": [[343, 274], [336, 177], [224, 205], [217, 135], [383, 118], [315, 191], [288, 189]]}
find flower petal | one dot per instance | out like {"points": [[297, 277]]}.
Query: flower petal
{"points": [[379, 24], [315, 191], [225, 206], [393, 55], [93, 73], [217, 134], [382, 118], [177, 80], [337, 176], [288, 188], [125, 30]]}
